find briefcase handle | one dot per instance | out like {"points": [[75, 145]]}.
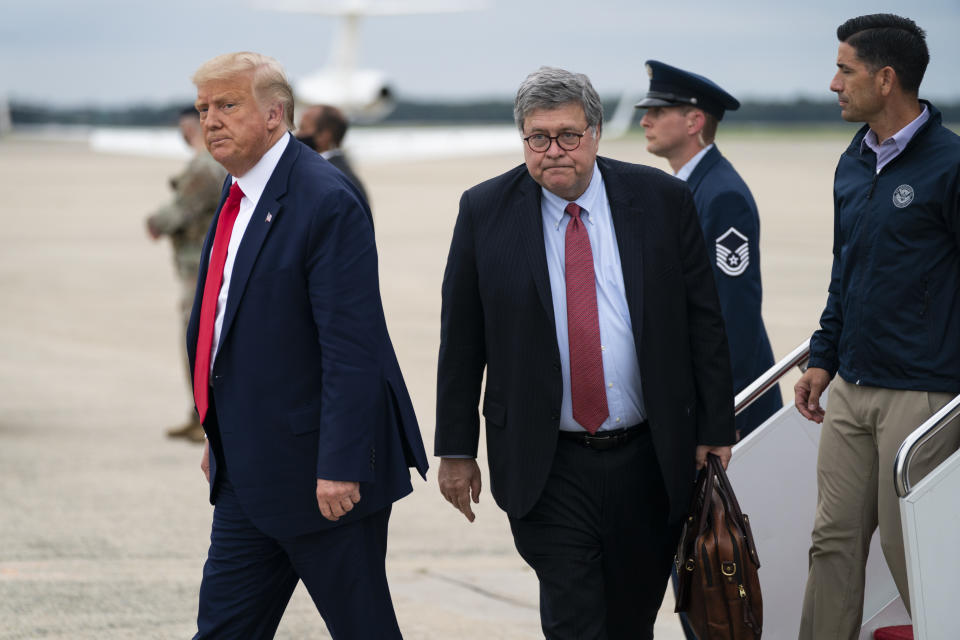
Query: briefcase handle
{"points": [[725, 491], [717, 471]]}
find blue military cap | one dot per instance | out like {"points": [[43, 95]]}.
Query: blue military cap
{"points": [[670, 86]]}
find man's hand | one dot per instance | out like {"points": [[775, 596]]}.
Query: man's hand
{"points": [[459, 480], [806, 393], [336, 497], [723, 453], [205, 460]]}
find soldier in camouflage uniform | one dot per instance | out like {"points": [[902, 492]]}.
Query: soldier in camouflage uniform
{"points": [[186, 219]]}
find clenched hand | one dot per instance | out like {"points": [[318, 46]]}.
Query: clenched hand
{"points": [[723, 453], [335, 498]]}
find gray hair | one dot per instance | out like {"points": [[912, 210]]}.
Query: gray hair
{"points": [[552, 88], [269, 82]]}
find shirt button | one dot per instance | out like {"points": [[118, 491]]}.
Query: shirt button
{"points": [[610, 385], [602, 348], [618, 419]]}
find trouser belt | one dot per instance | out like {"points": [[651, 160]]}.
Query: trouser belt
{"points": [[605, 440]]}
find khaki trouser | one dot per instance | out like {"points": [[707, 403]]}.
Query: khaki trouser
{"points": [[861, 434]]}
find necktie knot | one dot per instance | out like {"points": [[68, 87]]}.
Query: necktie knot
{"points": [[236, 194], [574, 210]]}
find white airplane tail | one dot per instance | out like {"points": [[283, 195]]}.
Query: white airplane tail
{"points": [[364, 95]]}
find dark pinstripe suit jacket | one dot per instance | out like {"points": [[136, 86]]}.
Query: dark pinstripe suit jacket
{"points": [[498, 315]]}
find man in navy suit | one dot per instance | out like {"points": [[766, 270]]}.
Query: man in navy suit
{"points": [[310, 428], [683, 112], [581, 286]]}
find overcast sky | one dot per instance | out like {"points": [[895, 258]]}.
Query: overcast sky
{"points": [[114, 52]]}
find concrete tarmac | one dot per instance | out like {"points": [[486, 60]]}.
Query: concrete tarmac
{"points": [[104, 522]]}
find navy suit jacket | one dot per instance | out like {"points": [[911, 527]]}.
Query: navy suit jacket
{"points": [[723, 203], [497, 316], [305, 383]]}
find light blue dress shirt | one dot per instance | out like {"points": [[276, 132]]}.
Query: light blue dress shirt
{"points": [[891, 147], [621, 371], [687, 170]]}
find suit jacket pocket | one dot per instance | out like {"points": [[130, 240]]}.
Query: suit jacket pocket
{"points": [[304, 421], [494, 412]]}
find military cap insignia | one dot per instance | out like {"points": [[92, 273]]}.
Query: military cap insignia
{"points": [[902, 196], [733, 252]]}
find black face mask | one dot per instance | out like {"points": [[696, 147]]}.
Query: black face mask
{"points": [[307, 140]]}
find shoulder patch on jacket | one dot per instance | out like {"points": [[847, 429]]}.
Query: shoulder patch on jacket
{"points": [[733, 252]]}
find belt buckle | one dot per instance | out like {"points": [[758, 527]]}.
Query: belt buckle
{"points": [[591, 441]]}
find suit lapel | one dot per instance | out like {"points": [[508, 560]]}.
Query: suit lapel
{"points": [[263, 219], [628, 221], [530, 220]]}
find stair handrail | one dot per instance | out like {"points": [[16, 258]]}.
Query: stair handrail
{"points": [[796, 358], [920, 436]]}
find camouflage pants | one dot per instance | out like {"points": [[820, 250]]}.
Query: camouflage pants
{"points": [[187, 290]]}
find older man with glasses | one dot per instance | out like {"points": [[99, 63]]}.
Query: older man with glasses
{"points": [[582, 287]]}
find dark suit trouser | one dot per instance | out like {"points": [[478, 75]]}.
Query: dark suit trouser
{"points": [[600, 542], [248, 577]]}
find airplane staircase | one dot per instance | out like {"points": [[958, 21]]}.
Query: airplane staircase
{"points": [[774, 471]]}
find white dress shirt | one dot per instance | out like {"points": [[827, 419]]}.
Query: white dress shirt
{"points": [[252, 183]]}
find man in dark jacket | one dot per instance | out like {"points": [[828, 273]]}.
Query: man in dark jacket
{"points": [[683, 112], [322, 128], [891, 329], [580, 286]]}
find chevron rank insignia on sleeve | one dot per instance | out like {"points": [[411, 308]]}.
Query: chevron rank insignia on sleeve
{"points": [[733, 252]]}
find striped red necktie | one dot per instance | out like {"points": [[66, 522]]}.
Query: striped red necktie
{"points": [[208, 305], [583, 326]]}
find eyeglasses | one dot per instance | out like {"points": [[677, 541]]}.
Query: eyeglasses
{"points": [[568, 141]]}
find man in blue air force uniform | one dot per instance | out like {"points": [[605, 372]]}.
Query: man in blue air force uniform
{"points": [[683, 111]]}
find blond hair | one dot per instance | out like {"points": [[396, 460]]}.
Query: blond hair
{"points": [[268, 80]]}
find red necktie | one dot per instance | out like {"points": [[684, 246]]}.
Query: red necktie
{"points": [[208, 306], [583, 326]]}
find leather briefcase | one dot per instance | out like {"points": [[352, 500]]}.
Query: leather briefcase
{"points": [[717, 563]]}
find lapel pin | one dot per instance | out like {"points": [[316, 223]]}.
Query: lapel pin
{"points": [[269, 217]]}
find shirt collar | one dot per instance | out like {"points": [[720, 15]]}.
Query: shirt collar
{"points": [[588, 200], [900, 138], [253, 182], [687, 169]]}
